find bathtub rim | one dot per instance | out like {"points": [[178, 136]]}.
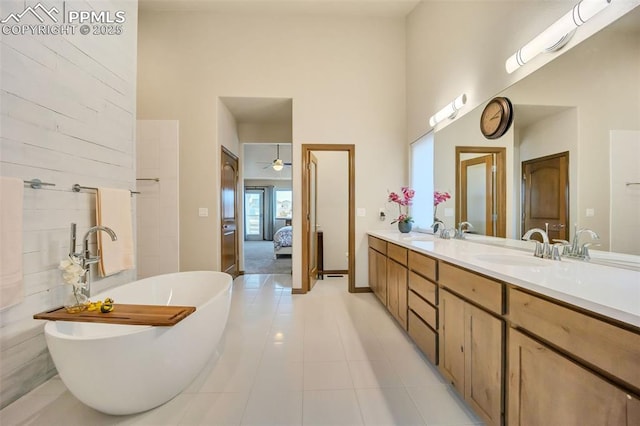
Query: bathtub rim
{"points": [[51, 330]]}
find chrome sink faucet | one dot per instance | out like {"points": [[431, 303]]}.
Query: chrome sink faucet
{"points": [[86, 259], [581, 251], [542, 250], [460, 232], [438, 226]]}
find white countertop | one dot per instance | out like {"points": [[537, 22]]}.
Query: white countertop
{"points": [[609, 291]]}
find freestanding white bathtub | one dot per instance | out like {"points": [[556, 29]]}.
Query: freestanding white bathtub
{"points": [[126, 369]]}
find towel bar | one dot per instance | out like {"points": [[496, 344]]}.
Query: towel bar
{"points": [[77, 187], [37, 183]]}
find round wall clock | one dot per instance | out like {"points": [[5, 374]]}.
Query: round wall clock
{"points": [[496, 118]]}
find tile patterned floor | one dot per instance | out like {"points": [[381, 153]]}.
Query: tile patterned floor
{"points": [[325, 358]]}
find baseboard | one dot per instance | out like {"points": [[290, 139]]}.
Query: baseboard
{"points": [[362, 290], [298, 291], [333, 272]]}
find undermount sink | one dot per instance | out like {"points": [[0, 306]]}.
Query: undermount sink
{"points": [[427, 237], [512, 260]]}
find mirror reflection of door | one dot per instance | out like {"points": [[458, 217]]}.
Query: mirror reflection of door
{"points": [[254, 214], [545, 195], [481, 189], [476, 205], [312, 217]]}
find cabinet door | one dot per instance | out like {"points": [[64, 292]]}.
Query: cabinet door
{"points": [[381, 281], [452, 339], [397, 291], [403, 285], [484, 364], [373, 271], [392, 287], [545, 388]]}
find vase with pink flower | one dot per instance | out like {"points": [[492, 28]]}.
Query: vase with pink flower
{"points": [[404, 201], [438, 198]]}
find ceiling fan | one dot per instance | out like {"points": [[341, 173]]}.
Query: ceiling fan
{"points": [[278, 164]]}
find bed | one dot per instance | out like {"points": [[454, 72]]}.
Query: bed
{"points": [[282, 241]]}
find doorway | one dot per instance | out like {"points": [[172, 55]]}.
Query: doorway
{"points": [[258, 217], [481, 189], [310, 254], [545, 195]]}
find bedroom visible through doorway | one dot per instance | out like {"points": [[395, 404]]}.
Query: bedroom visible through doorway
{"points": [[267, 211]]}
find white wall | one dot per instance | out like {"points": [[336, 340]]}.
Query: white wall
{"points": [[158, 213], [456, 47], [577, 79], [67, 116], [346, 76], [333, 207], [573, 82]]}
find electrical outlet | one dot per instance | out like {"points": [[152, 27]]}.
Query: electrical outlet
{"points": [[203, 212], [590, 212]]}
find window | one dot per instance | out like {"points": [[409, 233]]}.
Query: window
{"points": [[284, 204], [422, 182]]}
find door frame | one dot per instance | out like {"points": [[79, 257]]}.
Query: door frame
{"points": [[351, 150], [488, 195], [501, 183]]}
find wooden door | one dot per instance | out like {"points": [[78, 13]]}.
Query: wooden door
{"points": [[228, 210], [476, 181], [545, 195], [546, 388], [452, 339], [312, 219], [484, 364]]}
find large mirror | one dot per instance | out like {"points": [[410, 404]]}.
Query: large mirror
{"points": [[580, 112]]}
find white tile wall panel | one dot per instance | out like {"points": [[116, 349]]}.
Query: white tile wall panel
{"points": [[67, 115]]}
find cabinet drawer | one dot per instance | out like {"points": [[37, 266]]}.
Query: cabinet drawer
{"points": [[425, 288], [423, 265], [428, 313], [424, 337], [605, 346], [378, 244], [397, 253], [483, 291]]}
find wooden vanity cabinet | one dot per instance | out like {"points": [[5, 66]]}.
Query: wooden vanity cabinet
{"points": [[388, 276], [422, 303], [546, 388], [569, 367], [378, 268], [471, 340]]}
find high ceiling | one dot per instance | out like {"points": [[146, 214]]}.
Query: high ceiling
{"points": [[260, 110], [381, 8]]}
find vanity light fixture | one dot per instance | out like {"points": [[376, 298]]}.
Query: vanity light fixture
{"points": [[557, 35], [449, 111]]}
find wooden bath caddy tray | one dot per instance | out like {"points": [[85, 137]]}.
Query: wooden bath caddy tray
{"points": [[157, 315]]}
